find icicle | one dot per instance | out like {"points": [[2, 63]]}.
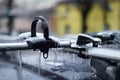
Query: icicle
{"points": [[20, 64], [55, 57], [73, 58], [39, 64]]}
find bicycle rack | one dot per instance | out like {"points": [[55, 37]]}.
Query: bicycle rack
{"points": [[33, 40], [42, 41]]}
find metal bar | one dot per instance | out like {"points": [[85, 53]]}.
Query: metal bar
{"points": [[14, 46], [94, 52], [104, 53], [64, 44]]}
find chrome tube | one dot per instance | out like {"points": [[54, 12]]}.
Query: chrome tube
{"points": [[104, 53], [14, 46]]}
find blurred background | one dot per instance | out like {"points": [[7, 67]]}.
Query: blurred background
{"points": [[64, 16]]}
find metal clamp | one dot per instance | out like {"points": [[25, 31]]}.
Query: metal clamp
{"points": [[45, 32], [84, 39], [44, 27]]}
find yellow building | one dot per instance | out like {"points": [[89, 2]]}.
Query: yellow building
{"points": [[69, 18]]}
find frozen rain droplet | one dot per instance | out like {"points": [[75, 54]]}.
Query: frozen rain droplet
{"points": [[55, 57], [20, 64], [73, 58], [39, 64]]}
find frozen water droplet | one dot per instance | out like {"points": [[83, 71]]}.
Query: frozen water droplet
{"points": [[55, 57], [39, 64], [57, 64], [73, 58], [20, 64]]}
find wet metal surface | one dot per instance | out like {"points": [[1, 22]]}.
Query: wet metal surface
{"points": [[59, 66]]}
